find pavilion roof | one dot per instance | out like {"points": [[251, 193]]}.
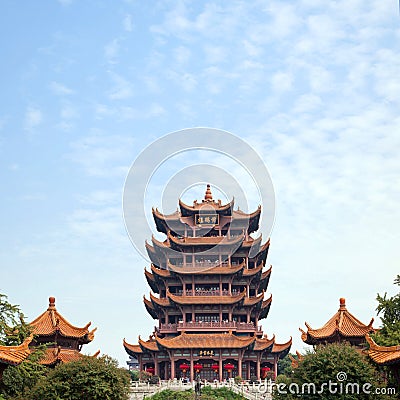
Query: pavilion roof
{"points": [[265, 306], [343, 323], [51, 321], [383, 355], [56, 355], [14, 355], [206, 299], [208, 202], [163, 301], [164, 273], [251, 301], [132, 348], [205, 341], [253, 271], [150, 344], [264, 343], [282, 349]]}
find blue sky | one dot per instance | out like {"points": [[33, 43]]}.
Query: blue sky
{"points": [[312, 85]]}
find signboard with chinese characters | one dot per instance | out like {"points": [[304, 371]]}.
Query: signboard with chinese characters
{"points": [[206, 353], [207, 219]]}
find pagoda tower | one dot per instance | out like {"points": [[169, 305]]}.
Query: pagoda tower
{"points": [[64, 341], [342, 327], [208, 279]]}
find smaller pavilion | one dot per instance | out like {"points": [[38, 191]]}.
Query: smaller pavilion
{"points": [[64, 341], [342, 327], [385, 356], [14, 355]]}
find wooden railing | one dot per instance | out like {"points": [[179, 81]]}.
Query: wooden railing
{"points": [[195, 325]]}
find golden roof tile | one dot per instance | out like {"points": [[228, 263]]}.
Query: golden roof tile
{"points": [[51, 321], [163, 302], [253, 271], [150, 344], [133, 348], [14, 355], [283, 347], [160, 272], [343, 323], [266, 273], [205, 341], [264, 343], [383, 355], [251, 301], [217, 205], [55, 355]]}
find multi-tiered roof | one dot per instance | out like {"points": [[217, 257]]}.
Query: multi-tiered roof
{"points": [[208, 279], [343, 326], [64, 341]]}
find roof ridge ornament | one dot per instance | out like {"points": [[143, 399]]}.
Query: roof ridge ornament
{"points": [[342, 302], [208, 194]]}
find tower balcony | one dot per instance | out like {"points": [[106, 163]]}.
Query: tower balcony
{"points": [[216, 326]]}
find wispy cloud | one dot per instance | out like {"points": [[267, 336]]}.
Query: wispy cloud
{"points": [[60, 89], [127, 23], [111, 51], [33, 117], [103, 155], [122, 88]]}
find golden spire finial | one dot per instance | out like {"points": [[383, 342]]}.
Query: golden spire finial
{"points": [[208, 195]]}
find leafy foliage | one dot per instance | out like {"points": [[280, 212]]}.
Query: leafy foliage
{"points": [[389, 308], [17, 381], [89, 378], [13, 328], [207, 393], [285, 365], [323, 366]]}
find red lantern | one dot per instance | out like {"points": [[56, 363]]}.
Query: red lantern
{"points": [[150, 370], [229, 367], [184, 368], [197, 367], [265, 370], [215, 368]]}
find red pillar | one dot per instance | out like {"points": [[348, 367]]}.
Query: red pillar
{"points": [[220, 367], [191, 367], [172, 368], [258, 368]]}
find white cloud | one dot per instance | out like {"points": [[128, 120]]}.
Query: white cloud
{"points": [[122, 88], [60, 89], [128, 25], [103, 155], [33, 118], [281, 82], [68, 112], [182, 54], [111, 51]]}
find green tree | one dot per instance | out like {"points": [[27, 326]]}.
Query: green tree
{"points": [[89, 378], [285, 365], [13, 328], [340, 364], [18, 380], [389, 309]]}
